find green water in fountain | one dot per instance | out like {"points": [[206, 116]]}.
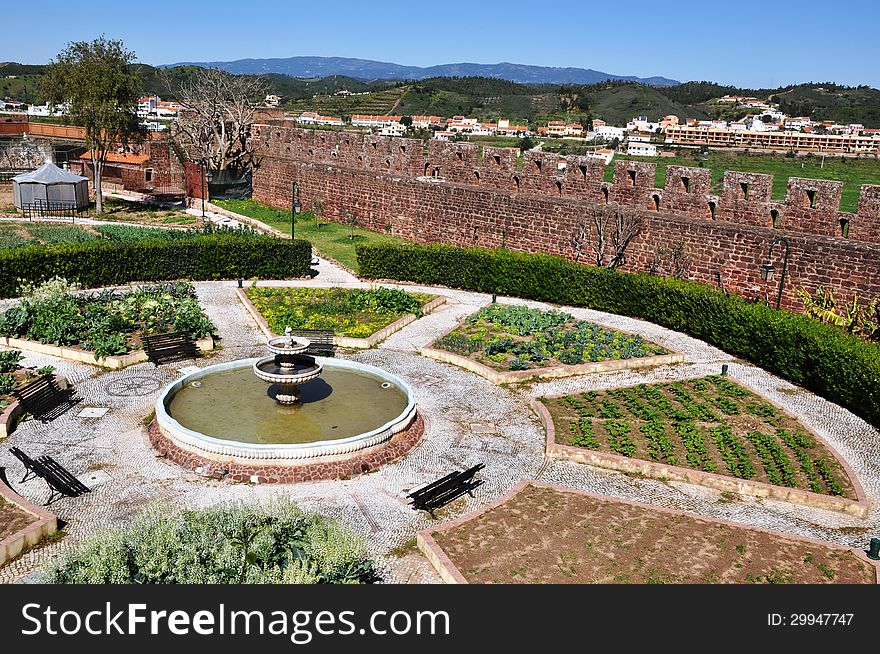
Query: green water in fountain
{"points": [[235, 405]]}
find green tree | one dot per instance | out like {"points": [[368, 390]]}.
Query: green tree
{"points": [[96, 79], [526, 144], [406, 121]]}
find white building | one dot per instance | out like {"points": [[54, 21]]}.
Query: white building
{"points": [[361, 120], [639, 149], [394, 129], [609, 132], [272, 100], [604, 154], [46, 110]]}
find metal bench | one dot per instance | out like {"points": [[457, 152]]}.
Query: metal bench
{"points": [[44, 399], [60, 481], [444, 490], [169, 347], [321, 341]]}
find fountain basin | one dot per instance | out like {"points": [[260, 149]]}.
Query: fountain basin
{"points": [[230, 415], [298, 369], [287, 345]]}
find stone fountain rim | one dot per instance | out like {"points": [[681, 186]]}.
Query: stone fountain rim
{"points": [[224, 448]]}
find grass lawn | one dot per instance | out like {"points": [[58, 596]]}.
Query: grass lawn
{"points": [[346, 312], [507, 337], [710, 424], [547, 535], [329, 239], [852, 172]]}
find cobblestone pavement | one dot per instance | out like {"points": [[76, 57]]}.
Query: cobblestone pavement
{"points": [[468, 420]]}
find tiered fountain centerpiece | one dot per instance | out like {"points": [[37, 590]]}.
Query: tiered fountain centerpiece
{"points": [[288, 367]]}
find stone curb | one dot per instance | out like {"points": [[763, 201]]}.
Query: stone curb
{"points": [[71, 353], [46, 524]]}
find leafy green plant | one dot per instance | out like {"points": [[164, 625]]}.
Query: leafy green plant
{"points": [[618, 437], [9, 360], [733, 452], [582, 434], [7, 384]]}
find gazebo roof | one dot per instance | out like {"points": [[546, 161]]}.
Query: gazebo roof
{"points": [[48, 174]]}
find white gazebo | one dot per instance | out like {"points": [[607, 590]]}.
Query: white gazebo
{"points": [[50, 189]]}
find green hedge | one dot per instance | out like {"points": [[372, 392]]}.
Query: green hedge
{"points": [[105, 263], [822, 358]]}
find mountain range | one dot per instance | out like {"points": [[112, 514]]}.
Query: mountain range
{"points": [[366, 69]]}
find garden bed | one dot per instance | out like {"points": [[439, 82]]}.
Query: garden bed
{"points": [[22, 524], [710, 431], [102, 328], [359, 318], [507, 344], [545, 534]]}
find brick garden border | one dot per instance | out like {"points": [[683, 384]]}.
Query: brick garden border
{"points": [[548, 372], [858, 507], [452, 575], [12, 414], [45, 524], [72, 353], [363, 462], [342, 341]]}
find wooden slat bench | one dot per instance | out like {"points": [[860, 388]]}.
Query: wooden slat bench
{"points": [[321, 341], [442, 491], [60, 481], [169, 347], [44, 399]]}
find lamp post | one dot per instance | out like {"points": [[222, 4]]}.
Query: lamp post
{"points": [[207, 176], [295, 206], [768, 270]]}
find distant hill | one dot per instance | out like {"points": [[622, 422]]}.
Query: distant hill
{"points": [[367, 69], [490, 97]]}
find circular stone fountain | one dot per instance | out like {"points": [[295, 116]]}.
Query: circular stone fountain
{"points": [[314, 409]]}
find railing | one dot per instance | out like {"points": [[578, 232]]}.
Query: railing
{"points": [[59, 208]]}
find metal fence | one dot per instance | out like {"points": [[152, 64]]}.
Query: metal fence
{"points": [[57, 208]]}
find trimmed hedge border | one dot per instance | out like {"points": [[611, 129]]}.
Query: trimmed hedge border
{"points": [[821, 358], [106, 263]]}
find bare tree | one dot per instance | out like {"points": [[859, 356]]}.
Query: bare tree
{"points": [[627, 225], [219, 109], [608, 232]]}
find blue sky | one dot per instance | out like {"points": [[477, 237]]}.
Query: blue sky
{"points": [[757, 44]]}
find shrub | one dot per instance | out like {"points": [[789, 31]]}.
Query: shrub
{"points": [[839, 367], [227, 544], [107, 263]]}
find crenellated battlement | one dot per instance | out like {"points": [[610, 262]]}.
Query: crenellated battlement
{"points": [[811, 206]]}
